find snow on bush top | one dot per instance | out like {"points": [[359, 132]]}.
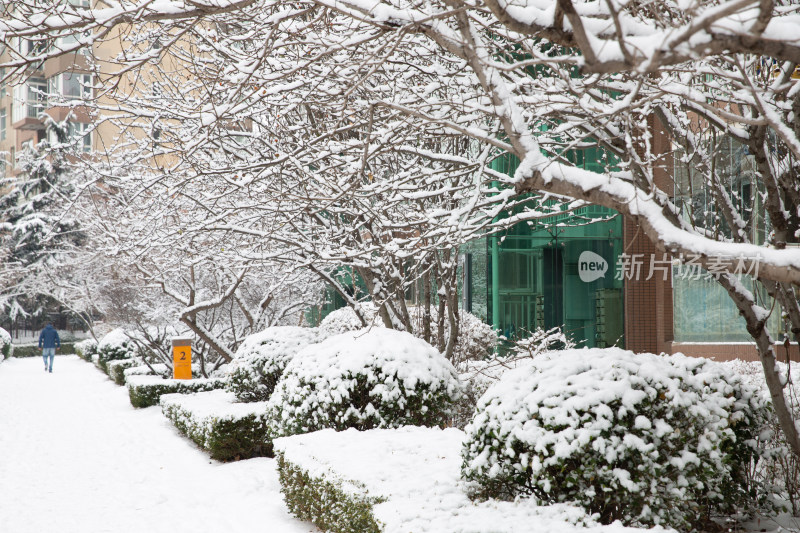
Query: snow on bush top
{"points": [[261, 358], [114, 339], [212, 404], [367, 378], [86, 344], [345, 319], [644, 438]]}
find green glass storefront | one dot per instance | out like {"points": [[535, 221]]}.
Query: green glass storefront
{"points": [[560, 273], [557, 272]]}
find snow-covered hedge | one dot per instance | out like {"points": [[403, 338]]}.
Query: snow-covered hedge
{"points": [[642, 438], [364, 379], [261, 358], [145, 391], [5, 344], [86, 349], [404, 480], [116, 369], [217, 423], [114, 346]]}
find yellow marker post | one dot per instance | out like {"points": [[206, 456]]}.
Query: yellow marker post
{"points": [[181, 358]]}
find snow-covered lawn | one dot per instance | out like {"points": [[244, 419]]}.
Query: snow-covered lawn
{"points": [[76, 457]]}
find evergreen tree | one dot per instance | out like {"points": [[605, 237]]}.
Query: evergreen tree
{"points": [[36, 229]]}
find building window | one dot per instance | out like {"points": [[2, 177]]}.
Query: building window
{"points": [[82, 133], [79, 136], [3, 124], [70, 39], [29, 99], [70, 86], [703, 311]]}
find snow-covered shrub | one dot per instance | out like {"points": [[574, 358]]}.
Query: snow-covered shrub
{"points": [[85, 349], [114, 346], [478, 375], [779, 467], [364, 379], [5, 344], [641, 438], [116, 369], [216, 422], [261, 358], [325, 503], [145, 391], [345, 319], [476, 339], [158, 369]]}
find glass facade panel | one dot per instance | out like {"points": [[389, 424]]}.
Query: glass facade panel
{"points": [[703, 311], [558, 272], [562, 276]]}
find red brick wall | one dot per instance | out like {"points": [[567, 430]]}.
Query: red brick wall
{"points": [[729, 352], [648, 303]]}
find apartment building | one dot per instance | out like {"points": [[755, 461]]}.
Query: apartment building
{"points": [[58, 87]]}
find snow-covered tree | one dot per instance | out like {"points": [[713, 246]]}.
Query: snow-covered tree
{"points": [[338, 90], [39, 233]]}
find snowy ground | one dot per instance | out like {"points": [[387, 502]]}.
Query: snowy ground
{"points": [[76, 457]]}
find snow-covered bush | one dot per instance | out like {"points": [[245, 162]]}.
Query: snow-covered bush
{"points": [[641, 438], [478, 375], [85, 349], [364, 379], [476, 339], [261, 358], [345, 319], [145, 391], [158, 369], [5, 344], [216, 422], [116, 369], [779, 467], [114, 346]]}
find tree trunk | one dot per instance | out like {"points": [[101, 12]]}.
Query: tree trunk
{"points": [[756, 319]]}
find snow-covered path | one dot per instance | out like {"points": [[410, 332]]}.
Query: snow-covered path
{"points": [[76, 457]]}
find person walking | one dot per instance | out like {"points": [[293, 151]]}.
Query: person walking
{"points": [[49, 342]]}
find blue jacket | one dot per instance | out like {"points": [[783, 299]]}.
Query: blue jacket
{"points": [[48, 338]]}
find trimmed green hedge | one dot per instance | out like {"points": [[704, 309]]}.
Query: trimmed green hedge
{"points": [[145, 391], [116, 369], [33, 350], [227, 436], [85, 349], [324, 503]]}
